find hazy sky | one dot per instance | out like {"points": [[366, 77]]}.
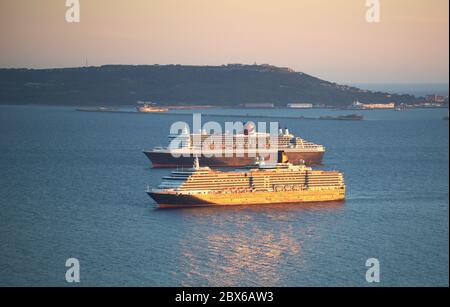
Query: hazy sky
{"points": [[330, 39]]}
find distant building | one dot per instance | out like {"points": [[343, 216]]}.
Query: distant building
{"points": [[300, 105], [356, 104], [430, 98], [370, 106], [435, 98]]}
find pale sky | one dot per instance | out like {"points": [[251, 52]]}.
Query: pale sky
{"points": [[330, 39]]}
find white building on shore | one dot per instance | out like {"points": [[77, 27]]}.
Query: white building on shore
{"points": [[300, 105]]}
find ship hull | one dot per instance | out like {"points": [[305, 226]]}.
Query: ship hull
{"points": [[167, 160], [165, 200]]}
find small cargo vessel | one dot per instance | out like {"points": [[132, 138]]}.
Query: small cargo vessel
{"points": [[343, 117], [280, 183], [149, 107]]}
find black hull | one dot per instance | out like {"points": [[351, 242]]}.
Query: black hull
{"points": [[173, 200], [166, 160]]}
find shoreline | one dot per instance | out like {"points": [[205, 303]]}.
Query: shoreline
{"points": [[350, 117], [199, 107]]}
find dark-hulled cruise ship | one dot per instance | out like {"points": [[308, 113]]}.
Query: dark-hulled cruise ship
{"points": [[224, 150]]}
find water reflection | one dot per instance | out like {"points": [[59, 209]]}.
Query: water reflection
{"points": [[247, 246]]}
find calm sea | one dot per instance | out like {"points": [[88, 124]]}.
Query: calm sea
{"points": [[72, 185]]}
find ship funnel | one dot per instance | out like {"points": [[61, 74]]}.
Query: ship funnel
{"points": [[282, 157], [286, 131], [280, 131], [249, 128]]}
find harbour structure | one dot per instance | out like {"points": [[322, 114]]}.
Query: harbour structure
{"points": [[300, 105], [262, 105], [372, 106]]}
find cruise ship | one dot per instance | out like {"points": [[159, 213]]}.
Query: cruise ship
{"points": [[234, 150], [280, 183]]}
